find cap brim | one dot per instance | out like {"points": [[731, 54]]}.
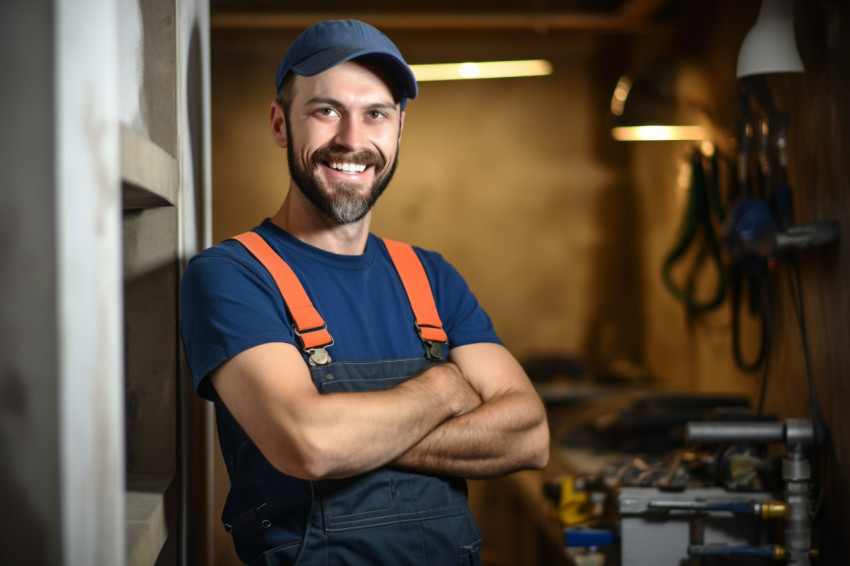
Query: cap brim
{"points": [[324, 60]]}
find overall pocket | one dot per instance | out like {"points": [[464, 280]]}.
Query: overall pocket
{"points": [[284, 555], [358, 500]]}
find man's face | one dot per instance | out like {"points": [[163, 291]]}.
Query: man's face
{"points": [[343, 129]]}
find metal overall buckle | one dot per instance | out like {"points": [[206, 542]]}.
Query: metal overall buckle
{"points": [[433, 349], [317, 356]]}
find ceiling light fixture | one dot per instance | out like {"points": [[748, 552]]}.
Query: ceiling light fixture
{"points": [[481, 70], [647, 109]]}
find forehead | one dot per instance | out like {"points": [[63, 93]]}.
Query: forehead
{"points": [[347, 82]]}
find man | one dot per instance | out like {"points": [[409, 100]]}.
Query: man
{"points": [[351, 450]]}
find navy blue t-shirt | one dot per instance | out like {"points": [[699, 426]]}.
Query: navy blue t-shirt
{"points": [[230, 303]]}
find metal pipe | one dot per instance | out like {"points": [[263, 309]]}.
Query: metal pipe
{"points": [[798, 535], [721, 432], [766, 551], [767, 509], [798, 435]]}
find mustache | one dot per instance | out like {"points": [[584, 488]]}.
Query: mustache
{"points": [[360, 157]]}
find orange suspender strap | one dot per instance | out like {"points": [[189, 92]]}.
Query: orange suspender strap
{"points": [[309, 324], [421, 297]]}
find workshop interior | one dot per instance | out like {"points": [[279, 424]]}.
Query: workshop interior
{"points": [[654, 213]]}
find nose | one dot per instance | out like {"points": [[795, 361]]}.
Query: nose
{"points": [[350, 133]]}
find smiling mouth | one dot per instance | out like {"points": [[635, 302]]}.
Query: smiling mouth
{"points": [[351, 168], [347, 162]]}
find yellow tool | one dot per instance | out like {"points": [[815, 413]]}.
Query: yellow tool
{"points": [[573, 505]]}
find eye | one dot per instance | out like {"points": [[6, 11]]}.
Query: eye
{"points": [[375, 115], [327, 111]]}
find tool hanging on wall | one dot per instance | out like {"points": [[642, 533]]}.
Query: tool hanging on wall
{"points": [[748, 272], [776, 238], [761, 230], [702, 208]]}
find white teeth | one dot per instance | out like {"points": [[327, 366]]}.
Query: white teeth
{"points": [[348, 167]]}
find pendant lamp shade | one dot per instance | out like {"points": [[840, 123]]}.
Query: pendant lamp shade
{"points": [[770, 47]]}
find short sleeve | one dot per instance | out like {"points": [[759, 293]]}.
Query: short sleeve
{"points": [[464, 320], [228, 304]]}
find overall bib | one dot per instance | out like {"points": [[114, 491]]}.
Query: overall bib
{"points": [[383, 517]]}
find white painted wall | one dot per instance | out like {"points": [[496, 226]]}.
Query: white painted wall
{"points": [[89, 283]]}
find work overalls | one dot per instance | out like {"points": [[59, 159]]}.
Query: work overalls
{"points": [[386, 516]]}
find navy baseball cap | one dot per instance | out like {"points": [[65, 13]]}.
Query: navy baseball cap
{"points": [[327, 44]]}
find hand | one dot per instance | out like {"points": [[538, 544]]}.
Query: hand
{"points": [[458, 391]]}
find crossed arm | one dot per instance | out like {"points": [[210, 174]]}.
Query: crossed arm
{"points": [[476, 416], [508, 431]]}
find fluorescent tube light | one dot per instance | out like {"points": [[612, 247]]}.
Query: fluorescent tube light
{"points": [[658, 133], [481, 70], [646, 108]]}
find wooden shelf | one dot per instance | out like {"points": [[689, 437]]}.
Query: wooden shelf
{"points": [[148, 172]]}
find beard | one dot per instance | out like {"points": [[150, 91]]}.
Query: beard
{"points": [[339, 200]]}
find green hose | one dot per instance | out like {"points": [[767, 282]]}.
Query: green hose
{"points": [[703, 196]]}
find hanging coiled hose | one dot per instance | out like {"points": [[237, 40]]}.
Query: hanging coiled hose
{"points": [[703, 199]]}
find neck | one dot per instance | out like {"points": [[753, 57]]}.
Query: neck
{"points": [[302, 220]]}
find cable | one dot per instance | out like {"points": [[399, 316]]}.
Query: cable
{"points": [[767, 342], [797, 301], [738, 275], [817, 415]]}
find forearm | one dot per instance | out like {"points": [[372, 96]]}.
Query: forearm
{"points": [[505, 434], [351, 433], [310, 435]]}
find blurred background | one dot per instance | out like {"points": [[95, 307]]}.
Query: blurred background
{"points": [[610, 268]]}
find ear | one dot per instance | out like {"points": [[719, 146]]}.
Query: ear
{"points": [[278, 123], [400, 125]]}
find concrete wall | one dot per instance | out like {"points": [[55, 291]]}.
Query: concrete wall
{"points": [[103, 102]]}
